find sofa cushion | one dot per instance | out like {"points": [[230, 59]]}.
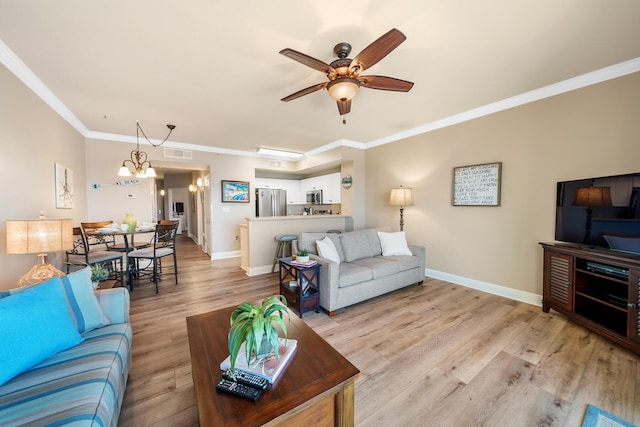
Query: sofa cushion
{"points": [[404, 262], [355, 245], [83, 384], [379, 266], [394, 244], [34, 325], [85, 310], [352, 274], [374, 242], [308, 241], [326, 249]]}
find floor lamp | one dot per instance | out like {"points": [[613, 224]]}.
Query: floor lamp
{"points": [[401, 197], [591, 197], [38, 236]]}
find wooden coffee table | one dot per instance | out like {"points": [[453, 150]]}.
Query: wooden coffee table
{"points": [[316, 388]]}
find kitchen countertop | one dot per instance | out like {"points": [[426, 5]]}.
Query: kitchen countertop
{"points": [[290, 217]]}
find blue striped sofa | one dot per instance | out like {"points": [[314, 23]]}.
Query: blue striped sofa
{"points": [[82, 385]]}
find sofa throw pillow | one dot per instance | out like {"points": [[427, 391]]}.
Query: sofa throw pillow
{"points": [[326, 249], [83, 304], [34, 325], [394, 244]]}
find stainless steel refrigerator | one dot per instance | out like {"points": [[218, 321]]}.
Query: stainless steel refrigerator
{"points": [[271, 202]]}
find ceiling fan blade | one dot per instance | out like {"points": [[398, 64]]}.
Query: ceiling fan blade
{"points": [[304, 92], [376, 51], [309, 61], [385, 83], [344, 107]]}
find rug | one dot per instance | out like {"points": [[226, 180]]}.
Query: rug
{"points": [[596, 417]]}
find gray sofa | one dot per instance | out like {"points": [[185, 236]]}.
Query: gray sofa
{"points": [[363, 272]]}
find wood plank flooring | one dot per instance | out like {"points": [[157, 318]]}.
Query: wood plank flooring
{"points": [[435, 354]]}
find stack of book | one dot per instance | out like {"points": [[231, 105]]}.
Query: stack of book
{"points": [[268, 368], [310, 263]]}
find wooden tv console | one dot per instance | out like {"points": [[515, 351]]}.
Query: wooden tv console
{"points": [[597, 288]]}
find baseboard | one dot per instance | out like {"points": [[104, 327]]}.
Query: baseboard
{"points": [[502, 291], [225, 255], [255, 271]]}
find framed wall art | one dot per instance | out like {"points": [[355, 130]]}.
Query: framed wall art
{"points": [[64, 187], [477, 185], [235, 191]]}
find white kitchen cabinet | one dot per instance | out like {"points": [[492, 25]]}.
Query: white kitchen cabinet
{"points": [[291, 186], [331, 188]]}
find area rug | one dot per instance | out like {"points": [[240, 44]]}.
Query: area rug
{"points": [[596, 417]]}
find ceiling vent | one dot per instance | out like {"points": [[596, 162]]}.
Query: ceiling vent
{"points": [[175, 153], [275, 164]]}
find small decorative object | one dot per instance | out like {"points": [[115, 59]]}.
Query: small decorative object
{"points": [[477, 185], [347, 181], [235, 191], [256, 326], [99, 273], [302, 256], [131, 221]]}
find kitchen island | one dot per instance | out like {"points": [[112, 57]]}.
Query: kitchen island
{"points": [[257, 236]]}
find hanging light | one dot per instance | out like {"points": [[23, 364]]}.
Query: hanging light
{"points": [[343, 89], [139, 165]]}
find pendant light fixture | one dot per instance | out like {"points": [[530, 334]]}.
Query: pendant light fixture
{"points": [[139, 165]]}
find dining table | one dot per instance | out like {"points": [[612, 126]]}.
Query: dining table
{"points": [[128, 246]]}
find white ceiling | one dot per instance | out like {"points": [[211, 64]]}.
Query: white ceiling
{"points": [[212, 67]]}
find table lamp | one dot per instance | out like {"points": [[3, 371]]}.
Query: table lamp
{"points": [[591, 197], [401, 197], [31, 236]]}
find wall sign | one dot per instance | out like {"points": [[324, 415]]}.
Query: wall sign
{"points": [[477, 185]]}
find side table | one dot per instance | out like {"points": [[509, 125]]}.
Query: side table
{"points": [[296, 278]]}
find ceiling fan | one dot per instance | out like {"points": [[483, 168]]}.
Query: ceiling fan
{"points": [[344, 73]]}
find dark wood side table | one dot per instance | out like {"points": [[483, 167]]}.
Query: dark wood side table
{"points": [[300, 276], [317, 387]]}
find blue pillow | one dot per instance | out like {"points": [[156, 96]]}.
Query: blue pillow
{"points": [[85, 309], [34, 325]]}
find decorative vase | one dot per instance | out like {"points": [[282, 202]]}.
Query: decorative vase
{"points": [[131, 221], [264, 350]]}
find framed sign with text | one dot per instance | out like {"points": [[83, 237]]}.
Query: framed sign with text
{"points": [[477, 185]]}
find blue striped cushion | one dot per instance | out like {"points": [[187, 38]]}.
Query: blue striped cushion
{"points": [[85, 309], [84, 384]]}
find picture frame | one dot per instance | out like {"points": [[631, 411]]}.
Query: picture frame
{"points": [[64, 187], [235, 191], [477, 185]]}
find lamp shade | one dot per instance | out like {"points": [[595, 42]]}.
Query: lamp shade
{"points": [[30, 236], [401, 197], [593, 197], [343, 89]]}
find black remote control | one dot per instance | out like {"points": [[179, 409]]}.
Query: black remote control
{"points": [[246, 378], [240, 390]]}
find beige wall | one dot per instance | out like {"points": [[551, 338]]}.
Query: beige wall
{"points": [[32, 139], [594, 131]]}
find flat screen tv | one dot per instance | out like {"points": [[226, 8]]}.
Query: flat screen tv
{"points": [[601, 212]]}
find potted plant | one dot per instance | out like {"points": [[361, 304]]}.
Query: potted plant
{"points": [[99, 272], [256, 326], [302, 255]]}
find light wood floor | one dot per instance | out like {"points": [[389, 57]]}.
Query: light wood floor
{"points": [[435, 354]]}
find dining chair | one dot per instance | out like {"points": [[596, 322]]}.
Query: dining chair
{"points": [[82, 255], [162, 244], [108, 239]]}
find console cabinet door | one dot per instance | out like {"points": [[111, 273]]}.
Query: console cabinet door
{"points": [[632, 306], [558, 281]]}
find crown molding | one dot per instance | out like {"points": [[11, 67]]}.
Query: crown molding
{"points": [[598, 76]]}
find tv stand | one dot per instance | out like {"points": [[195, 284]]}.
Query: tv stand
{"points": [[598, 289]]}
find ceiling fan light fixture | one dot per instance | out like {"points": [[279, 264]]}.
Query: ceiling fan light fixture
{"points": [[343, 89]]}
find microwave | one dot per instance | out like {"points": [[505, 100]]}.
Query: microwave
{"points": [[314, 197]]}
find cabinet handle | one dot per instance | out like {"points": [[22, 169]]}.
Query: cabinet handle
{"points": [[632, 306]]}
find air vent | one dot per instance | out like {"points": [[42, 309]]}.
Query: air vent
{"points": [[275, 164], [178, 154]]}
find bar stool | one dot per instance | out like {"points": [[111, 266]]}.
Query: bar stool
{"points": [[284, 243]]}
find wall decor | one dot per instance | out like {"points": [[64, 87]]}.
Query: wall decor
{"points": [[477, 185], [235, 191], [347, 181], [64, 187]]}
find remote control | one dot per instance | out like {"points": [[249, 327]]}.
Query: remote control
{"points": [[240, 390], [246, 378]]}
